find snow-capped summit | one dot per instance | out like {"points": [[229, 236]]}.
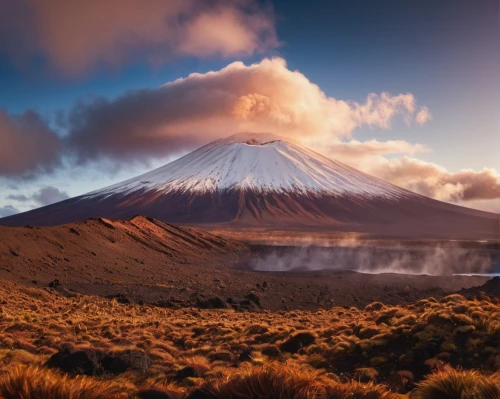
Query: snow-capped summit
{"points": [[258, 162], [262, 180]]}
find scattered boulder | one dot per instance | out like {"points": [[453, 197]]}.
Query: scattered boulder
{"points": [[212, 303], [77, 362], [114, 365], [133, 359], [95, 362], [297, 341]]}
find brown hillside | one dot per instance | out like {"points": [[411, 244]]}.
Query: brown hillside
{"points": [[145, 260], [140, 250]]}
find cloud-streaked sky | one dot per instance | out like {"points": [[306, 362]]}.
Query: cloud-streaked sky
{"points": [[95, 92]]}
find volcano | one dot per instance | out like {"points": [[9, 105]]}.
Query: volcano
{"points": [[264, 181]]}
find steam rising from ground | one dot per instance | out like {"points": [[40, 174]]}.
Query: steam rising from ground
{"points": [[429, 258]]}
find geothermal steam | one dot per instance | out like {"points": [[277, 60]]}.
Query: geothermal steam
{"points": [[430, 259]]}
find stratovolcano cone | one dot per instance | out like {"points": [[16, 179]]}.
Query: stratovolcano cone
{"points": [[264, 181]]}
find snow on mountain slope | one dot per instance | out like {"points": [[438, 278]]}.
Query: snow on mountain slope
{"points": [[258, 162], [263, 181]]}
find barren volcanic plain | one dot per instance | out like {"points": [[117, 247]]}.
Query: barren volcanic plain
{"points": [[146, 260]]}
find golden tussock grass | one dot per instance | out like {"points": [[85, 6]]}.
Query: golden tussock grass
{"points": [[379, 351], [454, 384], [22, 382], [275, 381]]}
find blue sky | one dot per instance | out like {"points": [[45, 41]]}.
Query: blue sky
{"points": [[446, 54]]}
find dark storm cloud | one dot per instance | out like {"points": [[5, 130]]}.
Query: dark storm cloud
{"points": [[28, 145]]}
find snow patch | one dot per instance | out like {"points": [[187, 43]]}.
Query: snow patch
{"points": [[261, 163]]}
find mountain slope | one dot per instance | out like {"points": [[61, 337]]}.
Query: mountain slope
{"points": [[252, 180], [139, 250], [269, 164]]}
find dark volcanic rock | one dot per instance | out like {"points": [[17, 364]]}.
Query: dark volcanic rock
{"points": [[78, 362], [133, 359], [114, 365], [297, 341], [95, 362], [212, 303]]}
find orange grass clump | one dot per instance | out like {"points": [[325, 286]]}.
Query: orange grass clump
{"points": [[454, 384], [272, 381], [34, 383]]}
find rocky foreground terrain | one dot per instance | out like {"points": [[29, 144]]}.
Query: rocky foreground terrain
{"points": [[54, 346]]}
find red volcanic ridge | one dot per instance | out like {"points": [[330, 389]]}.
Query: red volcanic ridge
{"points": [[261, 180]]}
